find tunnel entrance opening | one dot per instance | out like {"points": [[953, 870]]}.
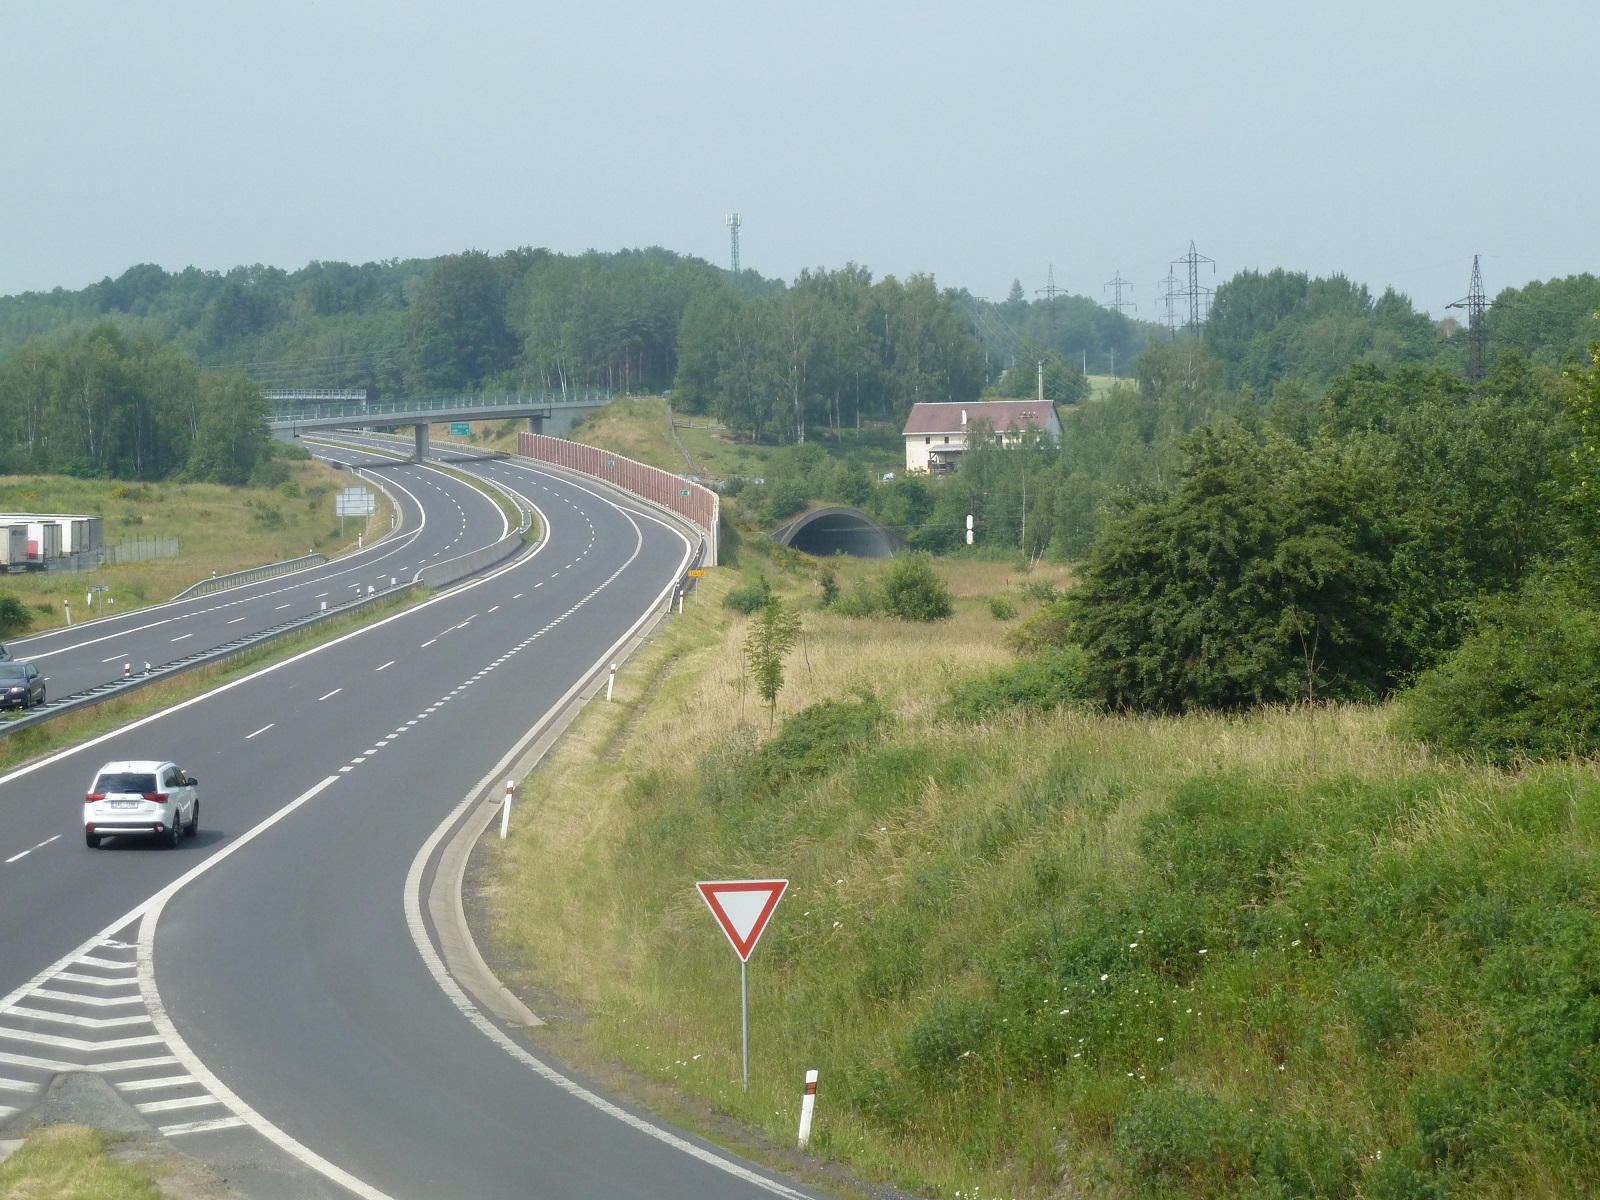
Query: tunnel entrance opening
{"points": [[830, 531]]}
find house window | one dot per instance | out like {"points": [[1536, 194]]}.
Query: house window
{"points": [[947, 439], [927, 441]]}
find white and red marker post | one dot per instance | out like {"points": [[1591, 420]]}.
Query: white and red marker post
{"points": [[743, 907]]}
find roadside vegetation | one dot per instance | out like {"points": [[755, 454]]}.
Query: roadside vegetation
{"points": [[220, 529], [71, 728], [1036, 949], [72, 1162]]}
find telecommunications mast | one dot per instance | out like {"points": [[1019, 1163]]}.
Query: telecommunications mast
{"points": [[732, 222]]}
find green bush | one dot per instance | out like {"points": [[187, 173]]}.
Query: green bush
{"points": [[14, 615], [1380, 1014], [864, 600], [828, 580], [914, 591], [1054, 680], [1526, 685], [1178, 1137], [1263, 569], [819, 736], [750, 597], [1048, 629], [1002, 608]]}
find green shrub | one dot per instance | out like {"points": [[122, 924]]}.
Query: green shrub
{"points": [[1379, 1012], [819, 736], [1002, 608], [1041, 590], [1527, 684], [1178, 1137], [828, 580], [864, 600], [914, 591], [1048, 629], [749, 598], [14, 615], [1051, 681]]}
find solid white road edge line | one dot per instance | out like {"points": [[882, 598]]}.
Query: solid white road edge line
{"points": [[455, 589], [145, 913], [435, 964], [150, 916], [393, 534]]}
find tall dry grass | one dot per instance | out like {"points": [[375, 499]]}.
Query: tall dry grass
{"points": [[942, 877]]}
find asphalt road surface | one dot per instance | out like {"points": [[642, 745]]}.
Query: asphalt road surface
{"points": [[279, 1020], [443, 518]]}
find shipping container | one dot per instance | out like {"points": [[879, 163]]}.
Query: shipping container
{"points": [[13, 545], [44, 541]]}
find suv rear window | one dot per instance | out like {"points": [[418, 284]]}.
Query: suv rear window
{"points": [[114, 782]]}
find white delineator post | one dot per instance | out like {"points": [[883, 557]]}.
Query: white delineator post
{"points": [[611, 682], [808, 1103], [969, 529], [127, 670], [67, 604], [505, 809]]}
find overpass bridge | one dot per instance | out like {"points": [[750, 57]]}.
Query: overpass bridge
{"points": [[294, 413]]}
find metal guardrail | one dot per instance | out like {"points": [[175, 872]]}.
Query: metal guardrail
{"points": [[470, 563], [90, 697], [434, 577], [218, 583]]}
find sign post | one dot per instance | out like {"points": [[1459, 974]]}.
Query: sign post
{"points": [[743, 907]]}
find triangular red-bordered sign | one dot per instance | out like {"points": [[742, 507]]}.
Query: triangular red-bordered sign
{"points": [[743, 907]]}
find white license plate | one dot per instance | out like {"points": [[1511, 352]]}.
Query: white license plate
{"points": [[124, 804]]}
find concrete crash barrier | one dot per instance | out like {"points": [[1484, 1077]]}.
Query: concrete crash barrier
{"points": [[694, 502], [219, 583]]}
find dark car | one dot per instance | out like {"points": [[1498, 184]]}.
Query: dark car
{"points": [[21, 685]]}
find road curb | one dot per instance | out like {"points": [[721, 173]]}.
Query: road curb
{"points": [[446, 901]]}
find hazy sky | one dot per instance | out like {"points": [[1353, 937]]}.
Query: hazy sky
{"points": [[976, 141]]}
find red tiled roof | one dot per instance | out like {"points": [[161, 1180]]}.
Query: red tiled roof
{"points": [[999, 415]]}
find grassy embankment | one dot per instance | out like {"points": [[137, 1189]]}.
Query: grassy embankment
{"points": [[72, 1161], [219, 529], [1283, 954], [636, 426]]}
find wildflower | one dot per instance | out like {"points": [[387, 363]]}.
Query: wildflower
{"points": [[1161, 1039], [1133, 945], [1202, 952], [1296, 942], [1103, 978]]}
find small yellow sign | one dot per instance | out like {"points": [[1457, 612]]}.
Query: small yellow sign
{"points": [[697, 574]]}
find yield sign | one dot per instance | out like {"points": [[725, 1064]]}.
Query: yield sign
{"points": [[743, 907]]}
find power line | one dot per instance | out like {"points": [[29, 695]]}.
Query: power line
{"points": [[732, 222], [1477, 306], [1117, 302], [1199, 298]]}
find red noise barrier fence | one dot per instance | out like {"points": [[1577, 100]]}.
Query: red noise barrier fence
{"points": [[697, 504]]}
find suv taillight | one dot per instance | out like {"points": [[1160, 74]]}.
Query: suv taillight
{"points": [[93, 796], [158, 797]]}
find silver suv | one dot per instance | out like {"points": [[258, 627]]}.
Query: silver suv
{"points": [[143, 797]]}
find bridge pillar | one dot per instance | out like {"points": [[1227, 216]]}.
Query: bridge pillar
{"points": [[422, 444], [536, 423]]}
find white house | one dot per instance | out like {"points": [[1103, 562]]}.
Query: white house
{"points": [[936, 434]]}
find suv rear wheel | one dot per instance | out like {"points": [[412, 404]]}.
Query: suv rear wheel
{"points": [[92, 840]]}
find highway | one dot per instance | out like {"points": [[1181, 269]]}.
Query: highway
{"points": [[278, 1010], [441, 517]]}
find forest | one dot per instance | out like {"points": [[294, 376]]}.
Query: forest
{"points": [[102, 404]]}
